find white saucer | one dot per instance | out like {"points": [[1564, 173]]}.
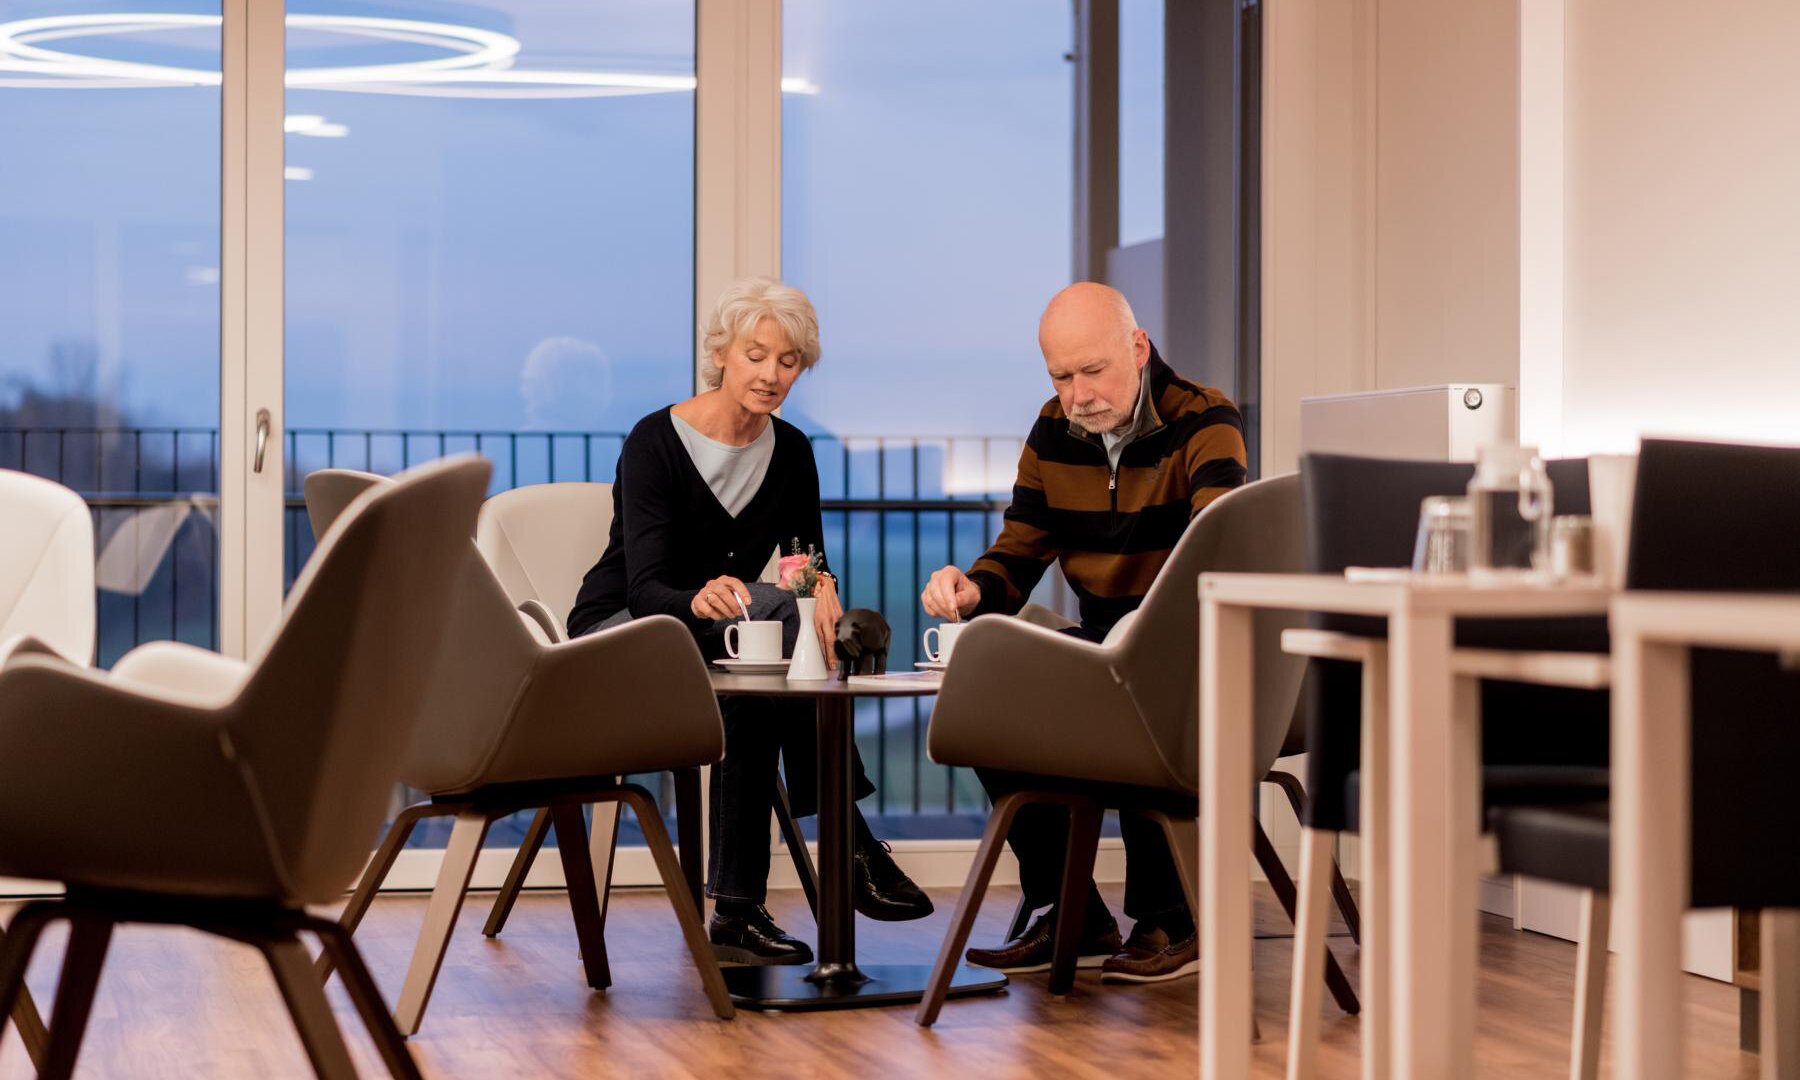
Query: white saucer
{"points": [[753, 667], [931, 665]]}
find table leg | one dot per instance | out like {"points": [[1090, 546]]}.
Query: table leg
{"points": [[837, 981], [1462, 888], [837, 804], [1650, 816], [1424, 826], [1226, 990], [1377, 924]]}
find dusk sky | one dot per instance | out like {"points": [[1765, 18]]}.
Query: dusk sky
{"points": [[470, 262]]}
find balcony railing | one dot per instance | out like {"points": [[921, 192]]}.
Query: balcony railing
{"points": [[896, 508]]}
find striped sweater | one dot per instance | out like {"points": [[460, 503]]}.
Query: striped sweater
{"points": [[1112, 530]]}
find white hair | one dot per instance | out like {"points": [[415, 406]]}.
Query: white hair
{"points": [[748, 301]]}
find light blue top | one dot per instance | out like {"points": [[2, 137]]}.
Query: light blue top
{"points": [[734, 473]]}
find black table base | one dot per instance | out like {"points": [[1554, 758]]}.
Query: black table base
{"points": [[788, 987], [836, 981]]}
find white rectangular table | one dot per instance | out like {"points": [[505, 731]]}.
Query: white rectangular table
{"points": [[1431, 809], [1652, 634]]}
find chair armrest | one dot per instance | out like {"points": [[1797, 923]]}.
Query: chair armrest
{"points": [[1024, 698], [1330, 645], [633, 698], [1039, 615], [26, 645], [198, 676], [538, 613], [106, 784], [1578, 671]]}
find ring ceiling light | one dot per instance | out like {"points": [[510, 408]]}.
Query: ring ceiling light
{"points": [[477, 62]]}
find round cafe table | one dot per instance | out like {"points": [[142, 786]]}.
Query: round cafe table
{"points": [[836, 980]]}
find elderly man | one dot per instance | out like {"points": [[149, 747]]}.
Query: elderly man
{"points": [[1114, 469]]}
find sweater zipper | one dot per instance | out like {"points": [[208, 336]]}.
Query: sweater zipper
{"points": [[1112, 491]]}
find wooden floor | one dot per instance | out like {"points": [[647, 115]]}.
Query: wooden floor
{"points": [[178, 1005]]}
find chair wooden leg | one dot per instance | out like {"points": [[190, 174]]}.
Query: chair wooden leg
{"points": [[440, 916], [1183, 836], [515, 874], [1310, 952], [689, 845], [16, 946], [367, 999], [377, 871], [1346, 903], [1021, 918], [1071, 907], [1590, 985], [603, 848], [1335, 980], [1340, 889], [89, 935], [584, 898], [796, 845], [968, 905], [675, 884], [306, 1003]]}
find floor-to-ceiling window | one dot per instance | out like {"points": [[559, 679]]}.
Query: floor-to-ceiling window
{"points": [[489, 241], [926, 210], [109, 292]]}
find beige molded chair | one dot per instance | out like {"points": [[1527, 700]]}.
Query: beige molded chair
{"points": [[540, 541], [46, 606], [46, 568], [185, 788], [514, 722], [1116, 725]]}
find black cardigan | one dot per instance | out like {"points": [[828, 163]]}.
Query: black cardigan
{"points": [[670, 536]]}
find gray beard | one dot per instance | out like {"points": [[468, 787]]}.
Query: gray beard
{"points": [[1118, 429]]}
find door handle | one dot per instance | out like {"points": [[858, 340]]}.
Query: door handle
{"points": [[262, 438]]}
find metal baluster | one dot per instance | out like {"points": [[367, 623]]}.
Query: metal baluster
{"points": [[881, 524], [918, 750]]}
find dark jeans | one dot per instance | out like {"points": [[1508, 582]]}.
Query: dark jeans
{"points": [[1039, 837], [758, 732], [743, 789]]}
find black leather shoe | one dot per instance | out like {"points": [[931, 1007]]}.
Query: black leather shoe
{"points": [[883, 891], [1032, 950], [747, 935]]}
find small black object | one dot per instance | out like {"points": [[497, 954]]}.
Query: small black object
{"points": [[862, 643]]}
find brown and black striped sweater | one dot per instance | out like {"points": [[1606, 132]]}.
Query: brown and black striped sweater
{"points": [[1112, 531]]}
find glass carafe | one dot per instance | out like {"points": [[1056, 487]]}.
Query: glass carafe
{"points": [[1509, 510]]}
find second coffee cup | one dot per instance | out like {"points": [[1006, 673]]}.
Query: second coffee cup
{"points": [[946, 641], [756, 640]]}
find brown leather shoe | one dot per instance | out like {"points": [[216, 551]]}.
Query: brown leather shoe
{"points": [[1031, 951], [1149, 956]]}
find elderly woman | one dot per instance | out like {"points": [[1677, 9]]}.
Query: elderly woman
{"points": [[707, 491]]}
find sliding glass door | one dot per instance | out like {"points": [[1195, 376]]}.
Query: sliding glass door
{"points": [[109, 293], [489, 242]]}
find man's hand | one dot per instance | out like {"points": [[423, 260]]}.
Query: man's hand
{"points": [[950, 595], [718, 599]]}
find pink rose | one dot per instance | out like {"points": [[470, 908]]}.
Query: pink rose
{"points": [[789, 565]]}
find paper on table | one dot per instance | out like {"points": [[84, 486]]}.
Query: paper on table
{"points": [[899, 678]]}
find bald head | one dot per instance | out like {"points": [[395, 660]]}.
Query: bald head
{"points": [[1095, 354], [1085, 309]]}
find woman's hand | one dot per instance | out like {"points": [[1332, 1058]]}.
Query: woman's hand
{"points": [[718, 599], [825, 618]]}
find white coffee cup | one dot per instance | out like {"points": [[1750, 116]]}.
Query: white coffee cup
{"points": [[759, 640], [946, 641]]}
